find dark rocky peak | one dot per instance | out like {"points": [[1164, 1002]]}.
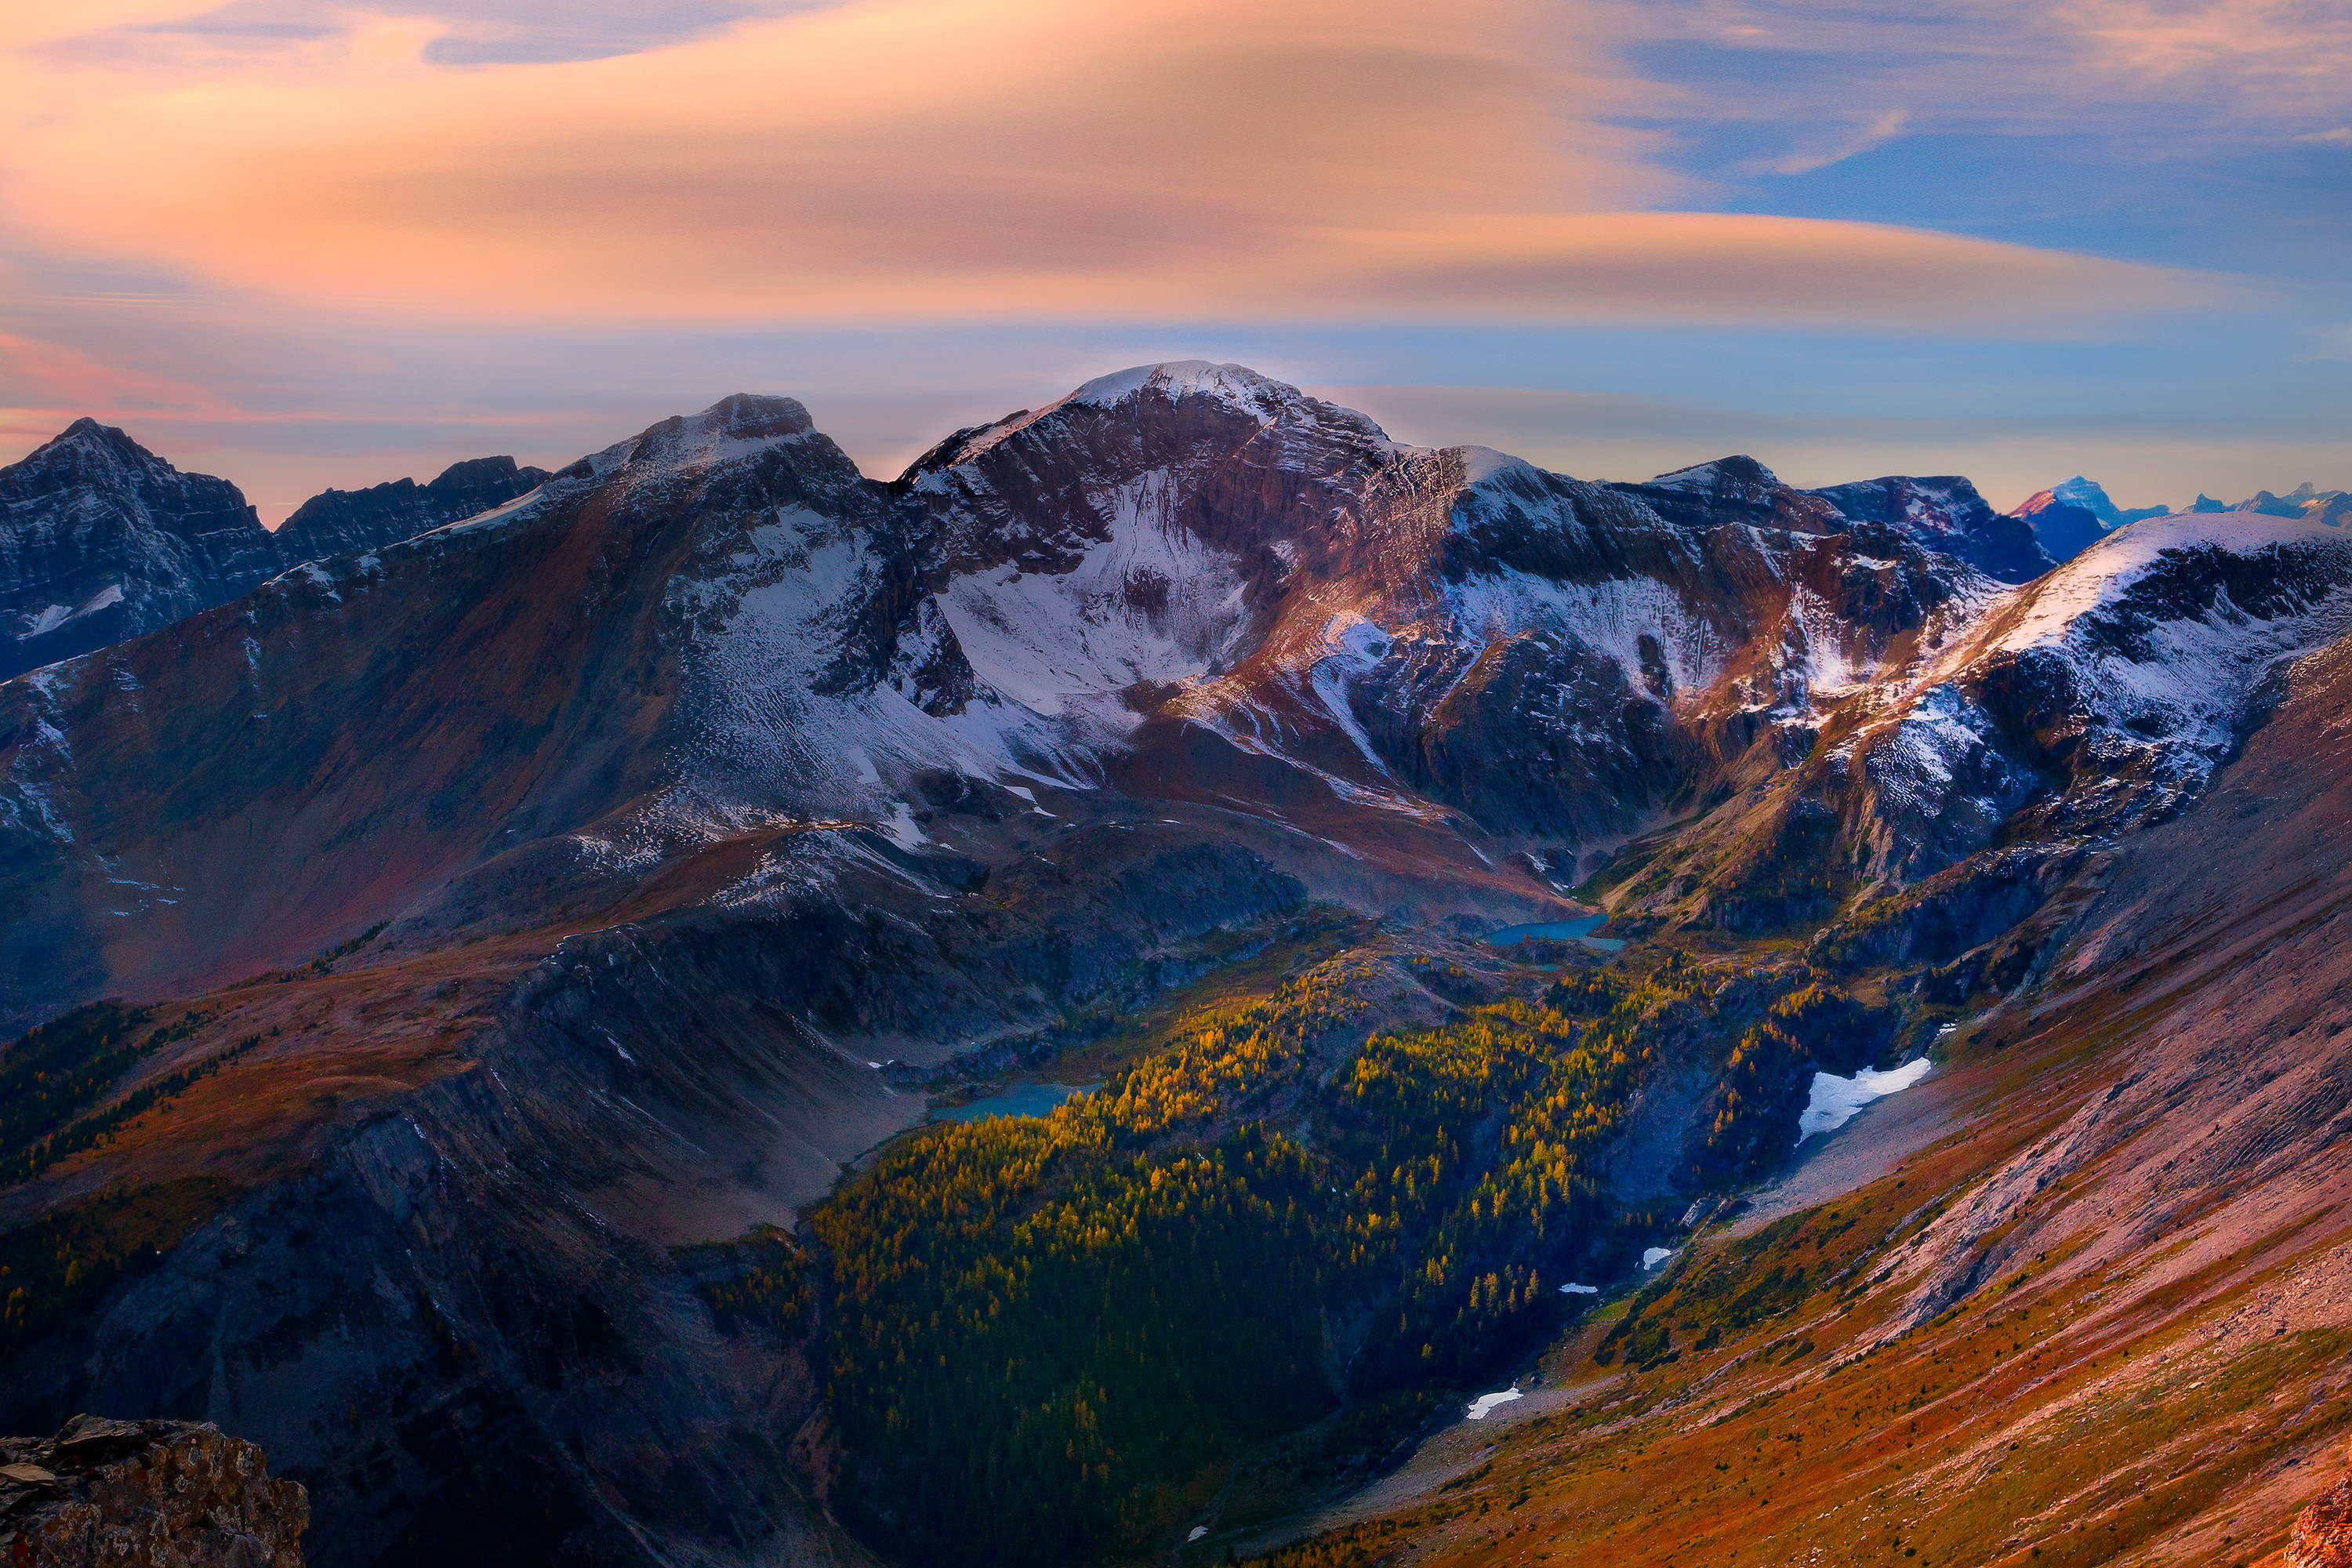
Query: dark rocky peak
{"points": [[736, 427], [1944, 513], [1731, 489], [336, 523], [742, 454], [101, 540], [88, 464], [752, 416], [1739, 475], [483, 473], [91, 449], [1511, 515], [2062, 529], [2205, 503]]}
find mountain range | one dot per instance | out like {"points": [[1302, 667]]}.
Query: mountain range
{"points": [[495, 954], [2069, 516]]}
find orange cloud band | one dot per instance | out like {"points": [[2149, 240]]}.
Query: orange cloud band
{"points": [[911, 159]]}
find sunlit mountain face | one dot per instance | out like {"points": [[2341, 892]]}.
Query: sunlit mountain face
{"points": [[1635, 858]]}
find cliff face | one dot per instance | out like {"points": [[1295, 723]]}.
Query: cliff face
{"points": [[103, 541], [145, 1494], [100, 541], [1947, 514]]}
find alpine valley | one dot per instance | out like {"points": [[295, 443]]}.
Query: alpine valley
{"points": [[508, 975]]}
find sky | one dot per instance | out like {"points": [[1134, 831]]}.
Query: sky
{"points": [[305, 244]]}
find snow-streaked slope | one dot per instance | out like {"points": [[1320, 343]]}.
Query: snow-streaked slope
{"points": [[1151, 604], [2126, 676]]}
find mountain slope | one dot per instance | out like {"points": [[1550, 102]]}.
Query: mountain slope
{"points": [[276, 772], [1406, 665], [2093, 700], [2063, 529], [2080, 1298]]}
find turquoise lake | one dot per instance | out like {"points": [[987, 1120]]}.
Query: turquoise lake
{"points": [[1559, 930], [1021, 1100]]}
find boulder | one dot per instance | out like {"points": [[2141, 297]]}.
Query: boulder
{"points": [[145, 1494]]}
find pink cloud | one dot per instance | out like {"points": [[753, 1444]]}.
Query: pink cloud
{"points": [[44, 386], [926, 159]]}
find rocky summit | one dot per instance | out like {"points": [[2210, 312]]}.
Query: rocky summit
{"points": [[1182, 977]]}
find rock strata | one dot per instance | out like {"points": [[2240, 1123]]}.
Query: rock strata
{"points": [[133, 1494], [2322, 1536]]}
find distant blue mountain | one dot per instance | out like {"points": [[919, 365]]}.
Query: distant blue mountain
{"points": [[2088, 495]]}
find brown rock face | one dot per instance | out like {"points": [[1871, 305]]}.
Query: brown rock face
{"points": [[145, 1494], [2321, 1537]]}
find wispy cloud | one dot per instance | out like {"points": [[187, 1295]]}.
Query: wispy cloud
{"points": [[2243, 70], [1858, 138], [2331, 342], [2271, 57], [301, 244]]}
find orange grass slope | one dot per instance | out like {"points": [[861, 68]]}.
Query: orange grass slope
{"points": [[2098, 1312]]}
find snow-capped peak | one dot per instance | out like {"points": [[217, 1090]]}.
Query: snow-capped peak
{"points": [[743, 422], [1237, 386], [1232, 386]]}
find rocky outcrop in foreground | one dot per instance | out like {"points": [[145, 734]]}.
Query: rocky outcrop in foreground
{"points": [[131, 1494], [2321, 1537]]}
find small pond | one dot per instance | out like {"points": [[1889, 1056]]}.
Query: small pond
{"points": [[1021, 1100], [1559, 930]]}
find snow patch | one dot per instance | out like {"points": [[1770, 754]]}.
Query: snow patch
{"points": [[1355, 648], [1835, 1099], [49, 617], [1487, 1403]]}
